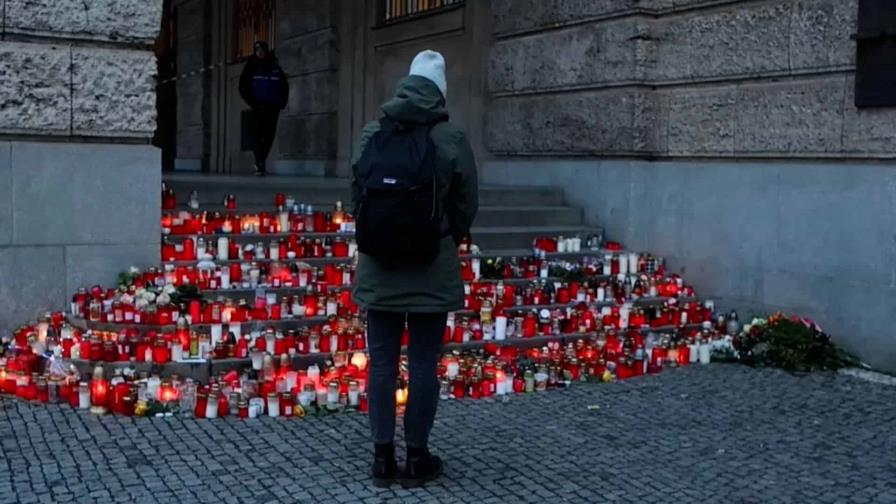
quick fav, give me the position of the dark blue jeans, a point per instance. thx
(424, 349)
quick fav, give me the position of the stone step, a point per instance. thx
(202, 370)
(521, 237)
(325, 191)
(486, 237)
(528, 216)
(516, 215)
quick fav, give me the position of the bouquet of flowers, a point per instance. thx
(142, 295)
(792, 343)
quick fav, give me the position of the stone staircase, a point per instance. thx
(509, 217)
(509, 220)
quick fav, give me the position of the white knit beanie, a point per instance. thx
(431, 65)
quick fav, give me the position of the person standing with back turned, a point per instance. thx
(415, 194)
(263, 86)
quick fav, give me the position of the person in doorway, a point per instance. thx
(415, 194)
(264, 88)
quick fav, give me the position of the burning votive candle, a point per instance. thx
(401, 396)
(167, 392)
(359, 359)
(99, 391)
(500, 383)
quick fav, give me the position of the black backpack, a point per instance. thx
(399, 217)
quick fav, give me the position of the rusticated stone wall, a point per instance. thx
(679, 79)
(79, 184)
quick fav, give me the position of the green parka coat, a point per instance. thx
(435, 287)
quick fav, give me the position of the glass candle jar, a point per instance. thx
(211, 407)
(273, 405)
(256, 407)
(83, 395)
(354, 393)
(458, 388)
(307, 396)
(332, 395)
(529, 380)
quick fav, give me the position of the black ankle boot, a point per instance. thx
(421, 468)
(384, 470)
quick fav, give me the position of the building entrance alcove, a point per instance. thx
(342, 59)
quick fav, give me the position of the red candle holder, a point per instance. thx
(99, 392)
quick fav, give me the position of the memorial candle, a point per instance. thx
(99, 391)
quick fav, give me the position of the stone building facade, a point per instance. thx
(721, 134)
(79, 184)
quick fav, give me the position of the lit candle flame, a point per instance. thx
(401, 396)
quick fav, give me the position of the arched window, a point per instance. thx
(253, 20)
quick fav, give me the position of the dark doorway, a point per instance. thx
(165, 137)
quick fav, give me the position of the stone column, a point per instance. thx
(79, 182)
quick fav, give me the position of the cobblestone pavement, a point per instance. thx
(721, 433)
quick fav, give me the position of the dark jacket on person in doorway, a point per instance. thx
(263, 83)
(435, 287)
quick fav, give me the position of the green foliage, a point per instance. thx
(126, 279)
(568, 275)
(491, 268)
(793, 344)
(185, 294)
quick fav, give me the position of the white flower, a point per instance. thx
(163, 299)
(141, 303)
(134, 270)
(169, 289)
(139, 292)
(149, 296)
(127, 298)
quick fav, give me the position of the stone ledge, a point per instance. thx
(119, 21)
